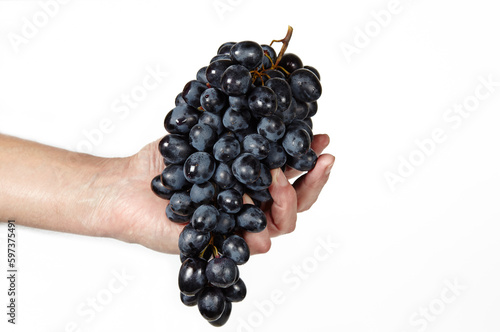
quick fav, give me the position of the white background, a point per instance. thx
(397, 248)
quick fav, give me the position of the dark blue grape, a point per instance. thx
(213, 100)
(238, 103)
(202, 137)
(222, 272)
(298, 124)
(290, 62)
(256, 145)
(305, 85)
(192, 242)
(272, 128)
(174, 217)
(220, 57)
(260, 195)
(251, 218)
(225, 48)
(236, 80)
(204, 218)
(235, 248)
(313, 109)
(211, 303)
(175, 149)
(226, 223)
(179, 100)
(181, 203)
(202, 193)
(173, 178)
(192, 92)
(199, 167)
(301, 110)
(247, 53)
(189, 300)
(309, 123)
(296, 142)
(276, 157)
(230, 201)
(224, 317)
(234, 120)
(192, 276)
(226, 148)
(262, 101)
(159, 189)
(236, 292)
(264, 180)
(246, 168)
(314, 70)
(283, 92)
(181, 119)
(305, 162)
(215, 70)
(213, 120)
(224, 177)
(201, 75)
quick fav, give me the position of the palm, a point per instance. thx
(141, 214)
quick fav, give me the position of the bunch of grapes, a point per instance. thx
(247, 112)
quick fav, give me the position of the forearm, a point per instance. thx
(50, 188)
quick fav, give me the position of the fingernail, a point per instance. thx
(328, 169)
(281, 179)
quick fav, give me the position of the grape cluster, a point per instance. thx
(247, 112)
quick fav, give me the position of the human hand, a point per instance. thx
(131, 212)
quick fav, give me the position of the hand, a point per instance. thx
(133, 213)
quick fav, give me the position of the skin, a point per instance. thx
(55, 189)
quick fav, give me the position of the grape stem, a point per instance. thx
(285, 41)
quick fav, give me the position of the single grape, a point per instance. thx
(222, 272)
(262, 101)
(192, 242)
(204, 218)
(276, 157)
(305, 85)
(236, 292)
(199, 167)
(192, 92)
(224, 317)
(202, 193)
(192, 276)
(211, 303)
(226, 223)
(236, 80)
(189, 300)
(213, 120)
(264, 180)
(230, 201)
(269, 57)
(290, 62)
(181, 203)
(314, 70)
(201, 75)
(173, 178)
(246, 168)
(181, 119)
(159, 189)
(236, 248)
(224, 177)
(271, 127)
(256, 145)
(174, 217)
(236, 120)
(247, 53)
(305, 162)
(251, 218)
(296, 142)
(202, 137)
(225, 48)
(283, 92)
(213, 100)
(238, 103)
(215, 70)
(226, 149)
(175, 149)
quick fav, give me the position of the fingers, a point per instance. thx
(318, 144)
(283, 211)
(309, 185)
